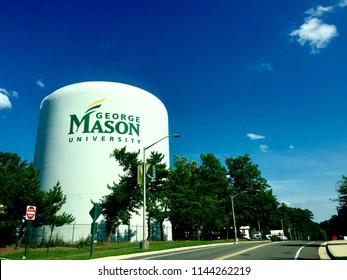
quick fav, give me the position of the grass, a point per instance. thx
(99, 250)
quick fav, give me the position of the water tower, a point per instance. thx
(79, 127)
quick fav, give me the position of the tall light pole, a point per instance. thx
(231, 181)
(235, 230)
(144, 243)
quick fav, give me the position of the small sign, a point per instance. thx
(96, 211)
(30, 213)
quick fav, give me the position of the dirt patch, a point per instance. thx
(12, 249)
(9, 249)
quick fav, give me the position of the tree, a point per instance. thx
(342, 204)
(183, 198)
(198, 197)
(213, 196)
(19, 187)
(157, 192)
(125, 196)
(50, 204)
(254, 201)
(298, 223)
(342, 192)
(337, 224)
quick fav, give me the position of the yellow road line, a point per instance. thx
(242, 252)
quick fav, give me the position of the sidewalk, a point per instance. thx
(337, 249)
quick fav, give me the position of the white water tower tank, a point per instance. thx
(80, 125)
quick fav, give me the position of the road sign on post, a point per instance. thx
(95, 212)
(30, 213)
(29, 216)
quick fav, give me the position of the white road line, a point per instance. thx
(298, 252)
(243, 251)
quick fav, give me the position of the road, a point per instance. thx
(253, 250)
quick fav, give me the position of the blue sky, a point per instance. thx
(264, 78)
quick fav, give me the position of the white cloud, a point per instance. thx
(40, 83)
(316, 33)
(14, 94)
(263, 148)
(5, 102)
(4, 91)
(343, 3)
(265, 66)
(320, 11)
(10, 93)
(253, 136)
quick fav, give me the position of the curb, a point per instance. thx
(329, 252)
(334, 256)
(323, 251)
(128, 256)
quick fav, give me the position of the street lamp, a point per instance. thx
(232, 206)
(231, 182)
(144, 243)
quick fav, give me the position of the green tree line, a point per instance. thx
(197, 198)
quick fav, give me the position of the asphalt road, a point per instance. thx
(258, 250)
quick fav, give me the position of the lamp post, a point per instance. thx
(231, 182)
(144, 243)
(234, 219)
(235, 231)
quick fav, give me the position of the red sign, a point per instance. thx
(30, 213)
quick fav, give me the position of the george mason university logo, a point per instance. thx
(96, 125)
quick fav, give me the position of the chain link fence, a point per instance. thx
(74, 233)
